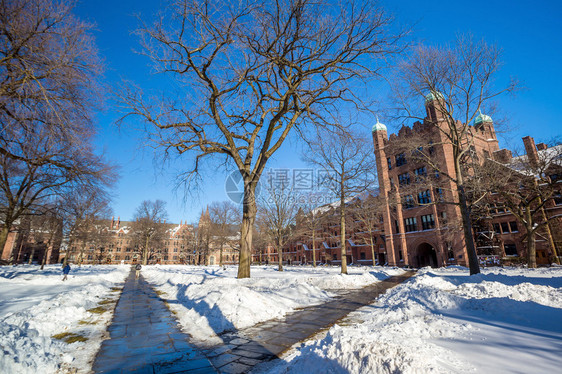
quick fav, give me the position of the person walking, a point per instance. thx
(138, 268)
(65, 271)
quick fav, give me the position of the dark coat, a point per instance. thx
(66, 269)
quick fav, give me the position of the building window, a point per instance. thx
(362, 255)
(510, 249)
(410, 224)
(400, 159)
(558, 199)
(175, 250)
(127, 258)
(397, 226)
(420, 172)
(428, 222)
(389, 160)
(424, 197)
(497, 228)
(408, 202)
(505, 227)
(439, 194)
(404, 178)
(513, 226)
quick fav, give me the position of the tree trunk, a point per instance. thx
(280, 254)
(467, 228)
(81, 255)
(372, 249)
(68, 252)
(531, 244)
(47, 252)
(342, 233)
(248, 217)
(31, 256)
(313, 247)
(220, 256)
(145, 252)
(551, 242)
(4, 236)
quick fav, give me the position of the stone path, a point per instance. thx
(145, 337)
(244, 349)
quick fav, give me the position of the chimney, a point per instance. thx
(112, 222)
(503, 156)
(118, 222)
(531, 150)
(541, 146)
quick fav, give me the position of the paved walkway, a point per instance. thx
(145, 337)
(244, 349)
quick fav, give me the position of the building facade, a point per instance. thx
(421, 226)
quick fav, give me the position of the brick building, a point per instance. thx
(183, 244)
(420, 227)
(32, 240)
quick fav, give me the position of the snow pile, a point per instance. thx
(208, 301)
(36, 305)
(504, 320)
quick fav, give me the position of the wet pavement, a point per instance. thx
(145, 337)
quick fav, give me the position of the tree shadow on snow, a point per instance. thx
(508, 280)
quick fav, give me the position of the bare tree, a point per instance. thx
(348, 163)
(224, 220)
(49, 67)
(460, 82)
(149, 228)
(277, 210)
(254, 73)
(367, 213)
(309, 223)
(26, 186)
(525, 186)
(81, 209)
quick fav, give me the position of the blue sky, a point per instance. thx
(529, 34)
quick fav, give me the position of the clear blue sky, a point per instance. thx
(528, 32)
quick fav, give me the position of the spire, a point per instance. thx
(378, 126)
(481, 118)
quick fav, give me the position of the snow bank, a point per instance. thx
(36, 305)
(503, 320)
(211, 300)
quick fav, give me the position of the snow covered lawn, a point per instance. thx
(210, 300)
(501, 321)
(36, 305)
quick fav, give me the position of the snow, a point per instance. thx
(505, 320)
(443, 320)
(36, 304)
(211, 300)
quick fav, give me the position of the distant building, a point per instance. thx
(32, 241)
